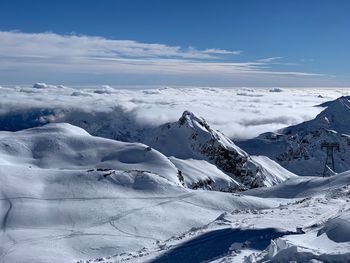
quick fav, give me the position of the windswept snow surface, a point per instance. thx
(66, 196)
(275, 173)
(309, 225)
(69, 147)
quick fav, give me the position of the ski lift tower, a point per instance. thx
(329, 164)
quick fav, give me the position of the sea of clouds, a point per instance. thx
(240, 113)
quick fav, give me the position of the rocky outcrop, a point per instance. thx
(192, 137)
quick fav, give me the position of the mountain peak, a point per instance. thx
(336, 116)
(192, 138)
(187, 113)
(298, 147)
(341, 101)
(193, 120)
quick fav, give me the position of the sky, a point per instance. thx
(201, 43)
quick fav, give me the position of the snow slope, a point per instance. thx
(66, 196)
(200, 174)
(304, 187)
(325, 238)
(335, 117)
(275, 173)
(313, 228)
(66, 146)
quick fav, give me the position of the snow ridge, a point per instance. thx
(192, 137)
(298, 148)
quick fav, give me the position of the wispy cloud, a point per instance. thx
(271, 59)
(50, 44)
(74, 54)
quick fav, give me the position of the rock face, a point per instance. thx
(298, 147)
(192, 137)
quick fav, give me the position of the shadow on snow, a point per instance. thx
(211, 245)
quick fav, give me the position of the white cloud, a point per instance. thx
(35, 55)
(45, 45)
(269, 59)
(222, 51)
(239, 113)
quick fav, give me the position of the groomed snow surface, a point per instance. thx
(68, 196)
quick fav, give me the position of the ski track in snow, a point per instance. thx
(5, 218)
(238, 228)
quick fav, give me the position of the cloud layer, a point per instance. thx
(239, 113)
(73, 58)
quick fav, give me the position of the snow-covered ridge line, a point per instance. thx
(298, 148)
(64, 146)
(191, 137)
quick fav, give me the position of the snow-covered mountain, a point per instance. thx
(298, 147)
(335, 117)
(191, 137)
(66, 195)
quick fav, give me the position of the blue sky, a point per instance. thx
(213, 43)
